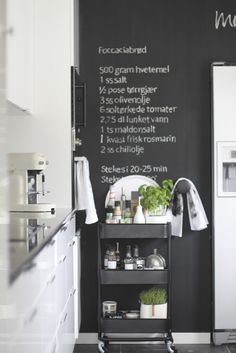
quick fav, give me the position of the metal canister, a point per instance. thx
(109, 308)
(140, 262)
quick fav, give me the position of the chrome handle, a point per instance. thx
(65, 317)
(73, 139)
(62, 259)
(63, 228)
(32, 316)
(73, 292)
(72, 243)
(51, 280)
(52, 242)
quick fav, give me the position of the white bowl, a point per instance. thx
(132, 315)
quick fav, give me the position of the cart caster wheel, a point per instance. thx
(170, 347)
(174, 349)
(102, 347)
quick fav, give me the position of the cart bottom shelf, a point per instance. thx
(135, 326)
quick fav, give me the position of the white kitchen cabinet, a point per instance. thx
(41, 300)
(48, 93)
(65, 337)
(20, 53)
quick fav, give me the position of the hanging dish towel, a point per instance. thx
(197, 216)
(84, 199)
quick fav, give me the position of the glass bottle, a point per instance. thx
(128, 217)
(117, 212)
(112, 198)
(136, 256)
(139, 261)
(105, 260)
(118, 262)
(123, 204)
(139, 216)
(128, 260)
(111, 259)
(109, 214)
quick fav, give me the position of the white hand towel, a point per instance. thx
(84, 199)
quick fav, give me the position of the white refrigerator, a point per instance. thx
(224, 201)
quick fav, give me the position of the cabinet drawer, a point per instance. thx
(61, 290)
(48, 309)
(64, 236)
(66, 336)
(134, 326)
(69, 266)
(46, 259)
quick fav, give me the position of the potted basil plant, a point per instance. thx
(155, 200)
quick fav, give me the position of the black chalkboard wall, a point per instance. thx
(164, 48)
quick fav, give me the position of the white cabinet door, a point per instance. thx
(70, 326)
(77, 275)
(48, 311)
(42, 299)
(20, 53)
(66, 337)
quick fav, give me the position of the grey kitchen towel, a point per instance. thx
(197, 216)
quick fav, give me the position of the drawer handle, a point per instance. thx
(32, 316)
(73, 292)
(52, 242)
(65, 317)
(64, 228)
(63, 259)
(54, 348)
(51, 280)
(72, 243)
(72, 217)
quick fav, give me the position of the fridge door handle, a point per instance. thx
(75, 141)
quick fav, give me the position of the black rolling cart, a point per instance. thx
(113, 283)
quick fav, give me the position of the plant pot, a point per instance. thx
(160, 311)
(146, 311)
(156, 219)
(158, 216)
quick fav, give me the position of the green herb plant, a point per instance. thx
(153, 296)
(154, 197)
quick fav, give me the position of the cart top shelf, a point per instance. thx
(134, 230)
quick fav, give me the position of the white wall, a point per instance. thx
(49, 130)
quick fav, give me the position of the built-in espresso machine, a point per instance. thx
(27, 183)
